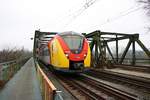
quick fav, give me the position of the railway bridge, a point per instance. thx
(114, 74)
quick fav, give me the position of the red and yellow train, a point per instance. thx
(67, 52)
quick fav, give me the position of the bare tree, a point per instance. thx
(147, 5)
(13, 54)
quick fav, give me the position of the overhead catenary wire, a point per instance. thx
(109, 20)
(122, 14)
(66, 20)
(80, 11)
(73, 16)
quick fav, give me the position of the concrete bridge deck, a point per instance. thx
(23, 86)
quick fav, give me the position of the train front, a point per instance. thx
(77, 51)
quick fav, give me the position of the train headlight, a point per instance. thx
(67, 55)
(85, 55)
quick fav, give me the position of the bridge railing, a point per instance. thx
(138, 61)
(8, 69)
(48, 90)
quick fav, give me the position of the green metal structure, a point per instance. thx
(41, 38)
(99, 44)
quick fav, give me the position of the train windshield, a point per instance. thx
(74, 42)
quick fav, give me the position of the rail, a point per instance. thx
(48, 90)
(8, 69)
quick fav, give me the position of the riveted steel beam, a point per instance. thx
(125, 51)
(143, 47)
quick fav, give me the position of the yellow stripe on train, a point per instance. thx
(87, 60)
(58, 58)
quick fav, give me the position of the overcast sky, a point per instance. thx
(20, 18)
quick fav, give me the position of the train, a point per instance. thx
(67, 52)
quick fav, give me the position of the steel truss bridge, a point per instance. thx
(99, 44)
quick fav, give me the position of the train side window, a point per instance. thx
(47, 52)
(43, 52)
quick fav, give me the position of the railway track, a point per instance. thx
(78, 90)
(130, 79)
(145, 69)
(142, 85)
(82, 87)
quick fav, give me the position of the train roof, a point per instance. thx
(70, 33)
